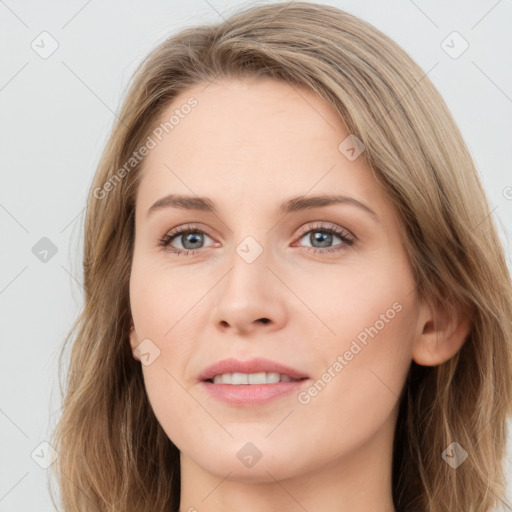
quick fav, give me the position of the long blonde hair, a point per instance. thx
(113, 454)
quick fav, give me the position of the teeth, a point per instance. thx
(251, 378)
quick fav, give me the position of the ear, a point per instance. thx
(134, 341)
(442, 333)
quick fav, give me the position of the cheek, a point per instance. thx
(370, 301)
(358, 383)
(159, 296)
(362, 361)
(161, 302)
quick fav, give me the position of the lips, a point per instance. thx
(256, 365)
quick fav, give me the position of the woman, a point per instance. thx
(296, 298)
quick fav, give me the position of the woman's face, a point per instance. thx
(315, 285)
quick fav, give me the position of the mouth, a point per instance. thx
(254, 371)
(251, 383)
(251, 379)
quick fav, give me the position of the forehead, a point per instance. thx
(252, 139)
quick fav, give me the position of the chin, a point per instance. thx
(255, 462)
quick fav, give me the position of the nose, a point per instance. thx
(250, 297)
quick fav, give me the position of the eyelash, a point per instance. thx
(344, 235)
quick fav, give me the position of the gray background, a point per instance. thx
(56, 114)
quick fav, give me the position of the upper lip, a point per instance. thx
(255, 365)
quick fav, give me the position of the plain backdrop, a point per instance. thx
(57, 111)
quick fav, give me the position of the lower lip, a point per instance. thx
(252, 394)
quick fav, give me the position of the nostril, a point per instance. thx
(264, 320)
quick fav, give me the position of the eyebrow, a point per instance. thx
(291, 205)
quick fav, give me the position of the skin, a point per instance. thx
(249, 145)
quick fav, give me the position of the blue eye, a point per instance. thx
(188, 235)
(192, 238)
(323, 236)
